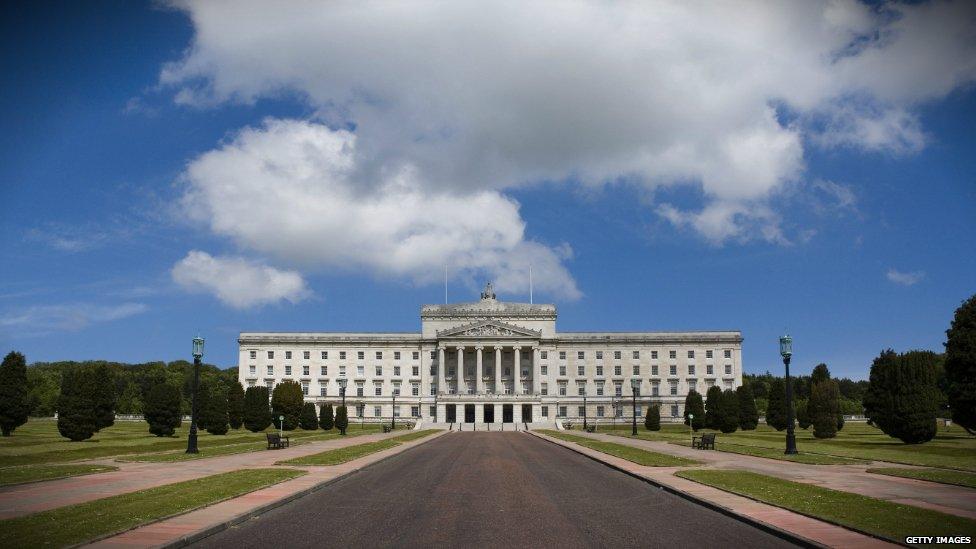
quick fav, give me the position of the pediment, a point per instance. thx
(489, 328)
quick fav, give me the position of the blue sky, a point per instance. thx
(167, 171)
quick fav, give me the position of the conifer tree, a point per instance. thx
(902, 397)
(104, 387)
(652, 421)
(235, 405)
(326, 419)
(748, 414)
(341, 419)
(713, 399)
(696, 407)
(308, 419)
(960, 365)
(287, 401)
(776, 407)
(802, 409)
(162, 409)
(820, 373)
(823, 408)
(76, 405)
(728, 412)
(14, 402)
(215, 413)
(257, 413)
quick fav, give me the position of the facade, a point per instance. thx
(493, 361)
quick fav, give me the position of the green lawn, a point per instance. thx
(942, 476)
(777, 453)
(349, 453)
(637, 455)
(33, 473)
(228, 449)
(82, 522)
(883, 518)
(38, 441)
(952, 448)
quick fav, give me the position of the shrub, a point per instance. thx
(162, 409)
(235, 405)
(341, 419)
(308, 420)
(802, 413)
(204, 388)
(748, 414)
(287, 400)
(215, 413)
(776, 406)
(823, 408)
(104, 387)
(14, 404)
(76, 405)
(695, 407)
(652, 421)
(712, 398)
(257, 414)
(960, 365)
(728, 411)
(326, 419)
(902, 396)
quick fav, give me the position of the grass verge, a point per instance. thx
(34, 473)
(630, 453)
(349, 453)
(83, 522)
(941, 476)
(229, 449)
(882, 518)
(777, 453)
(564, 436)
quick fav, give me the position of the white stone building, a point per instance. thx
(492, 361)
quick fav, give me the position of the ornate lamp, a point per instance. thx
(786, 351)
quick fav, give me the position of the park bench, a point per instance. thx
(386, 429)
(591, 429)
(276, 441)
(704, 442)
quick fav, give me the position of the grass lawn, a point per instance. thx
(302, 437)
(952, 448)
(883, 518)
(637, 455)
(777, 453)
(82, 522)
(33, 473)
(349, 453)
(38, 441)
(943, 476)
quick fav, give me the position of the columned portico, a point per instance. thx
(517, 372)
(499, 388)
(479, 380)
(459, 377)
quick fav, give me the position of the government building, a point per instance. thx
(491, 362)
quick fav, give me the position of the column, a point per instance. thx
(517, 383)
(499, 387)
(460, 371)
(536, 373)
(441, 368)
(479, 384)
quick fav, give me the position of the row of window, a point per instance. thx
(581, 355)
(360, 355)
(544, 370)
(544, 355)
(324, 370)
(618, 370)
(618, 387)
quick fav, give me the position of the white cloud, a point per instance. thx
(830, 195)
(905, 279)
(44, 319)
(476, 97)
(238, 282)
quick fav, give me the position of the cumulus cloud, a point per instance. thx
(44, 319)
(289, 190)
(477, 97)
(905, 279)
(238, 282)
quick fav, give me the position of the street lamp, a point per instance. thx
(191, 441)
(613, 418)
(393, 412)
(585, 424)
(786, 351)
(634, 388)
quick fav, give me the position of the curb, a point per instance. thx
(765, 527)
(247, 515)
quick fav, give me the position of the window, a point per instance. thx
(655, 390)
(415, 411)
(617, 370)
(581, 411)
(342, 371)
(270, 355)
(396, 389)
(562, 370)
(562, 355)
(580, 370)
(673, 354)
(673, 369)
(654, 355)
(654, 369)
(342, 355)
(305, 388)
(636, 369)
(415, 355)
(323, 370)
(637, 410)
(618, 389)
(433, 355)
(580, 355)
(581, 390)
(360, 355)
(269, 385)
(544, 355)
(692, 384)
(562, 411)
(325, 355)
(253, 369)
(709, 369)
(708, 354)
(599, 411)
(545, 389)
(691, 354)
(396, 371)
(250, 383)
(674, 388)
(545, 411)
(305, 370)
(323, 390)
(306, 355)
(396, 411)
(270, 370)
(544, 370)
(360, 371)
(396, 355)
(599, 355)
(415, 371)
(599, 370)
(691, 369)
(377, 411)
(433, 371)
(637, 355)
(616, 355)
(378, 390)
(728, 353)
(379, 355)
(287, 370)
(254, 354)
(599, 389)
(728, 369)
(287, 355)
(433, 411)
(361, 410)
(450, 370)
(674, 410)
(620, 411)
(562, 389)
(359, 390)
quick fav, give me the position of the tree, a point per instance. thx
(695, 407)
(257, 414)
(235, 404)
(287, 400)
(43, 388)
(728, 411)
(14, 405)
(215, 413)
(960, 365)
(104, 396)
(326, 419)
(902, 397)
(308, 420)
(820, 373)
(712, 398)
(162, 409)
(823, 408)
(204, 390)
(341, 419)
(776, 407)
(748, 414)
(652, 421)
(76, 405)
(802, 413)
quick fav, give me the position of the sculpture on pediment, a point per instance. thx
(489, 330)
(489, 292)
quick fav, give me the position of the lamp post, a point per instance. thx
(191, 441)
(634, 388)
(786, 351)
(342, 393)
(393, 413)
(585, 424)
(613, 419)
(691, 429)
(361, 409)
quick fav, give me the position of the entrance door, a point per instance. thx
(507, 413)
(451, 413)
(489, 413)
(526, 413)
(469, 413)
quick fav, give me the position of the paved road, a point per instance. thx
(491, 490)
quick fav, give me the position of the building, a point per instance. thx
(494, 361)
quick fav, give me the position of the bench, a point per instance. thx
(704, 442)
(591, 429)
(276, 441)
(386, 429)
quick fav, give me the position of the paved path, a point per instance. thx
(23, 499)
(491, 490)
(956, 500)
